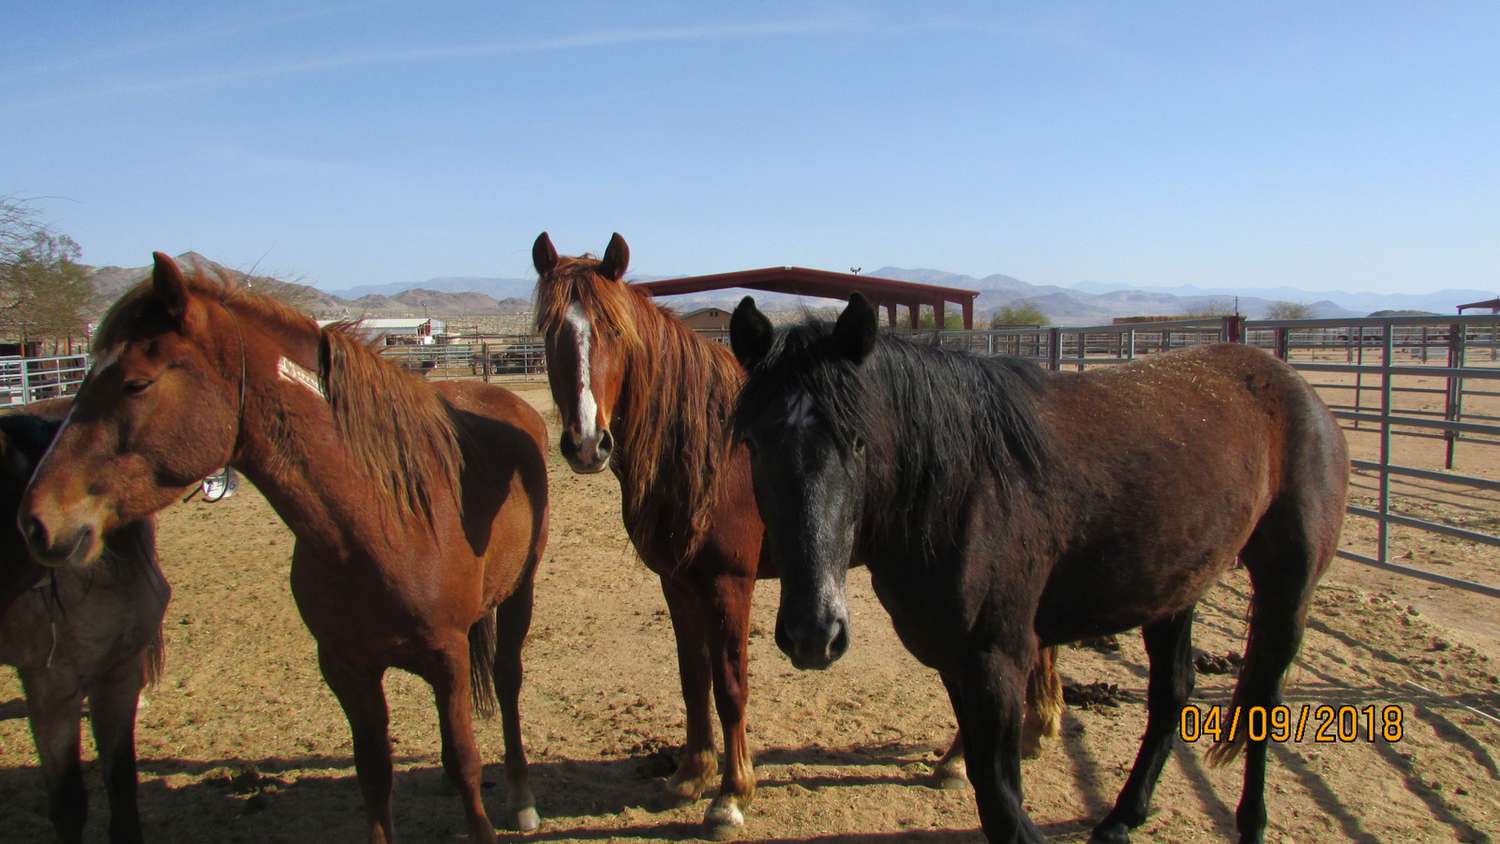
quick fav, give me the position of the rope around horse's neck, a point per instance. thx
(239, 414)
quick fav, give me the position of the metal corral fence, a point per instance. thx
(25, 380)
(517, 357)
(1362, 367)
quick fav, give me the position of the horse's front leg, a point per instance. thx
(729, 635)
(699, 762)
(53, 704)
(989, 701)
(361, 693)
(112, 704)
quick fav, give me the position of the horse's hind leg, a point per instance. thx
(949, 773)
(1169, 645)
(54, 704)
(729, 658)
(360, 693)
(699, 761)
(112, 703)
(514, 620)
(1284, 563)
(448, 672)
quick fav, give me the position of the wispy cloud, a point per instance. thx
(481, 49)
(174, 40)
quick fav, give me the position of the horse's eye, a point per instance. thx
(136, 386)
(857, 445)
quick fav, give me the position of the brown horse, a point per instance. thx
(78, 634)
(417, 509)
(1036, 508)
(641, 393)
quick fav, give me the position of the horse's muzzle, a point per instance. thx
(814, 645)
(72, 549)
(586, 455)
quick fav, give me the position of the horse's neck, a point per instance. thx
(291, 451)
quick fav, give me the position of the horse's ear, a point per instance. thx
(616, 258)
(749, 333)
(169, 285)
(543, 254)
(854, 333)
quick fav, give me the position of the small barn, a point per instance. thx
(707, 319)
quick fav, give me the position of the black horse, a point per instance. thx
(998, 507)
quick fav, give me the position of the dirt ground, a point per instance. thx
(243, 742)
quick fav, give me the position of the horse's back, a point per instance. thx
(1172, 461)
(504, 445)
(497, 403)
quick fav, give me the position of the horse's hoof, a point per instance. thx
(951, 777)
(952, 783)
(686, 789)
(1112, 832)
(723, 820)
(526, 819)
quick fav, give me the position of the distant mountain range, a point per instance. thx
(387, 300)
(1086, 303)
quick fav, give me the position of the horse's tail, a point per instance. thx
(1045, 691)
(154, 659)
(482, 664)
(1233, 733)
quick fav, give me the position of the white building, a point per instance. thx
(398, 331)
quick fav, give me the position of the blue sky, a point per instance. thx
(1344, 146)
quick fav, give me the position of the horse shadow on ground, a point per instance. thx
(315, 797)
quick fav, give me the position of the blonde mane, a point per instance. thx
(679, 390)
(399, 430)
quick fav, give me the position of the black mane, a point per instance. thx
(937, 421)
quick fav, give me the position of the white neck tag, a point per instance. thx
(290, 371)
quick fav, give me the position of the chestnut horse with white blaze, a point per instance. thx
(639, 392)
(417, 509)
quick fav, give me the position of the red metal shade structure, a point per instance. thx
(882, 292)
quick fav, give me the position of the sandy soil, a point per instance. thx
(243, 742)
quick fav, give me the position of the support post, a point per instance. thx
(1384, 547)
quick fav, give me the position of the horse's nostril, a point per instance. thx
(840, 643)
(35, 532)
(606, 444)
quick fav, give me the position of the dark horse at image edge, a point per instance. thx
(74, 634)
(1039, 508)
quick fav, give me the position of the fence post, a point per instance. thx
(1054, 349)
(484, 355)
(25, 376)
(1359, 376)
(1383, 550)
(1083, 348)
(1453, 412)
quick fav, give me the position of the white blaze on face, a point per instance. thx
(799, 409)
(108, 359)
(588, 410)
